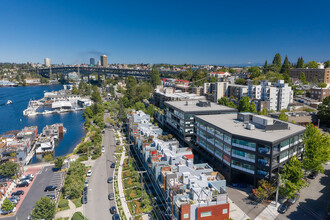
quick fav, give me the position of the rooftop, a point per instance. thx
(192, 106)
(229, 123)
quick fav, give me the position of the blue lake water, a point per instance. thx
(11, 116)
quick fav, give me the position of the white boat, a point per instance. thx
(46, 112)
(9, 102)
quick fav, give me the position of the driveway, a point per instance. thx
(98, 204)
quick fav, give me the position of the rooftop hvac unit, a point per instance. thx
(250, 126)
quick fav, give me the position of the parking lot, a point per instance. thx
(55, 181)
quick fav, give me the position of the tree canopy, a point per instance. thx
(7, 205)
(8, 168)
(300, 63)
(324, 111)
(286, 65)
(312, 64)
(44, 209)
(155, 77)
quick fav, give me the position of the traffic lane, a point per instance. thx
(34, 194)
(109, 137)
(98, 190)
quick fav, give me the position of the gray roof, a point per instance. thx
(193, 107)
(229, 123)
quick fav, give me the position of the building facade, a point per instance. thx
(215, 91)
(180, 116)
(319, 93)
(312, 75)
(92, 61)
(47, 62)
(237, 91)
(248, 147)
(104, 60)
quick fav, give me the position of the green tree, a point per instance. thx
(277, 61)
(327, 64)
(283, 116)
(292, 177)
(240, 81)
(7, 205)
(78, 216)
(302, 77)
(96, 95)
(155, 78)
(255, 72)
(150, 110)
(253, 108)
(322, 85)
(8, 168)
(59, 161)
(75, 90)
(223, 101)
(266, 68)
(88, 113)
(264, 190)
(300, 63)
(313, 64)
(140, 106)
(317, 149)
(44, 209)
(324, 111)
(244, 104)
(122, 113)
(286, 65)
(112, 91)
(48, 157)
(186, 75)
(263, 112)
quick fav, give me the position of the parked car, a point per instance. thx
(85, 190)
(50, 188)
(17, 193)
(283, 208)
(113, 210)
(312, 175)
(103, 150)
(25, 180)
(113, 165)
(51, 196)
(86, 183)
(118, 143)
(111, 196)
(2, 212)
(110, 180)
(89, 173)
(30, 175)
(115, 217)
(3, 184)
(84, 199)
(294, 199)
(22, 184)
(14, 201)
(15, 197)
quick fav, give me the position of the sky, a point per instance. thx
(172, 31)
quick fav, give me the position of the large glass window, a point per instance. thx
(218, 153)
(285, 143)
(218, 144)
(227, 138)
(227, 149)
(243, 165)
(284, 154)
(219, 134)
(245, 143)
(210, 130)
(243, 154)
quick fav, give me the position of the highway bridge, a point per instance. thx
(62, 72)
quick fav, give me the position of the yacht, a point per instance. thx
(9, 102)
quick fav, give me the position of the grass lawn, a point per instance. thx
(77, 202)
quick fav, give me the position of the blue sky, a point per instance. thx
(158, 31)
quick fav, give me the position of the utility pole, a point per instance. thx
(141, 178)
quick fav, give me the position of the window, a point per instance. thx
(206, 214)
(186, 215)
(224, 211)
(227, 139)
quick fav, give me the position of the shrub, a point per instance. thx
(48, 157)
(78, 216)
(63, 203)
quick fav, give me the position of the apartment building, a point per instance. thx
(278, 95)
(185, 190)
(180, 116)
(215, 91)
(319, 93)
(248, 147)
(312, 75)
(237, 91)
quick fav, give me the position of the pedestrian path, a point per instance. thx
(269, 213)
(120, 182)
(69, 213)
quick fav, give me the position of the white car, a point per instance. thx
(103, 150)
(2, 212)
(86, 183)
(89, 173)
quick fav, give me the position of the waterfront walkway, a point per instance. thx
(120, 181)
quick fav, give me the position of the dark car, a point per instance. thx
(85, 191)
(312, 175)
(15, 197)
(294, 199)
(50, 188)
(17, 193)
(118, 143)
(111, 196)
(113, 165)
(23, 184)
(113, 210)
(110, 180)
(84, 199)
(115, 217)
(51, 196)
(283, 208)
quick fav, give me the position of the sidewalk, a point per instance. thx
(69, 213)
(269, 213)
(120, 183)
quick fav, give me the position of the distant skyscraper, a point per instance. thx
(99, 63)
(104, 60)
(47, 62)
(92, 61)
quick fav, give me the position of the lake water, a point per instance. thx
(11, 116)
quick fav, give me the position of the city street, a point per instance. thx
(35, 193)
(98, 204)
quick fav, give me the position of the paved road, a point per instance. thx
(34, 194)
(313, 200)
(98, 204)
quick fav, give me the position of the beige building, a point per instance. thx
(47, 62)
(104, 60)
(312, 75)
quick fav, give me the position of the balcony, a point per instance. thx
(242, 168)
(285, 147)
(211, 141)
(262, 173)
(243, 158)
(244, 147)
(226, 162)
(218, 136)
(263, 150)
(263, 162)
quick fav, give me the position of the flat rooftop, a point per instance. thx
(193, 107)
(229, 123)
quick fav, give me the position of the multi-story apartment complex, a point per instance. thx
(104, 60)
(278, 96)
(47, 62)
(164, 94)
(248, 147)
(237, 91)
(180, 116)
(319, 93)
(184, 190)
(215, 91)
(312, 75)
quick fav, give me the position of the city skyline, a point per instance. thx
(198, 33)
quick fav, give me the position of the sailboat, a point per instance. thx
(9, 102)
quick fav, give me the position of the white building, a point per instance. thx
(47, 62)
(215, 91)
(278, 96)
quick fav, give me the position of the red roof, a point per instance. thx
(220, 72)
(189, 156)
(182, 80)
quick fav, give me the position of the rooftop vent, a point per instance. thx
(250, 126)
